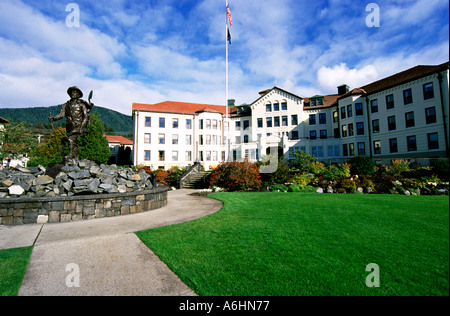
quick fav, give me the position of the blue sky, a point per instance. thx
(157, 50)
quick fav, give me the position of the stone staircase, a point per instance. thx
(197, 181)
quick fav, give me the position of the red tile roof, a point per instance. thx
(118, 139)
(328, 101)
(179, 107)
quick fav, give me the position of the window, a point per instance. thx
(269, 122)
(294, 135)
(349, 110)
(351, 149)
(343, 116)
(201, 139)
(323, 134)
(390, 102)
(407, 96)
(246, 125)
(208, 156)
(433, 141)
(161, 155)
(409, 119)
(208, 139)
(214, 156)
(393, 146)
(317, 151)
(361, 149)
(162, 122)
(260, 123)
(245, 139)
(188, 124)
(276, 121)
(430, 115)
(238, 139)
(188, 139)
(174, 139)
(319, 102)
(412, 143)
(322, 118)
(268, 107)
(335, 117)
(336, 133)
(345, 150)
(284, 106)
(175, 155)
(358, 109)
(391, 123)
(344, 130)
(428, 91)
(312, 102)
(175, 123)
(238, 126)
(333, 151)
(201, 124)
(201, 156)
(147, 155)
(188, 156)
(350, 130)
(208, 124)
(214, 139)
(148, 121)
(294, 120)
(214, 124)
(312, 119)
(376, 126)
(374, 106)
(377, 147)
(284, 120)
(162, 138)
(359, 128)
(276, 106)
(312, 135)
(147, 138)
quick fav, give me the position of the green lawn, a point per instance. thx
(13, 264)
(311, 244)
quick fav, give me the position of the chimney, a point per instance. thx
(343, 89)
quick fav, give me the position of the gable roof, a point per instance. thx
(2, 120)
(179, 107)
(118, 139)
(265, 92)
(328, 101)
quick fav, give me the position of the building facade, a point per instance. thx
(401, 116)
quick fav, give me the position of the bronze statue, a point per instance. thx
(77, 113)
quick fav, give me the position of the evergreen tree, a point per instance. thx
(94, 145)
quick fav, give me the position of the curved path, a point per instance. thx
(103, 256)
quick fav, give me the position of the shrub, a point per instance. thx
(318, 168)
(348, 184)
(362, 165)
(302, 179)
(278, 187)
(161, 177)
(303, 161)
(398, 166)
(307, 188)
(332, 172)
(236, 176)
(294, 188)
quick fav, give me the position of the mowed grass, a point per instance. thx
(13, 265)
(287, 244)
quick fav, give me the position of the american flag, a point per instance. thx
(229, 15)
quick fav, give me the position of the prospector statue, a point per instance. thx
(77, 113)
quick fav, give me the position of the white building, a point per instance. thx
(401, 116)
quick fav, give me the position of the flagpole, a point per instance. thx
(226, 79)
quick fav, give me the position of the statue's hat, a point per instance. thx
(69, 91)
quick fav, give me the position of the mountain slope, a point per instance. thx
(120, 123)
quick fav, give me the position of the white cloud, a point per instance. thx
(330, 78)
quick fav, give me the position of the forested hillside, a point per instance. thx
(115, 122)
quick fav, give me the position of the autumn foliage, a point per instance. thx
(236, 176)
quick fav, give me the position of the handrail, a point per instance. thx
(196, 168)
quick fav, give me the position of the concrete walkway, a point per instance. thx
(103, 256)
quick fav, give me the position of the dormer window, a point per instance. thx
(316, 101)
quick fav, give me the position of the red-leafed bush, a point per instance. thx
(236, 176)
